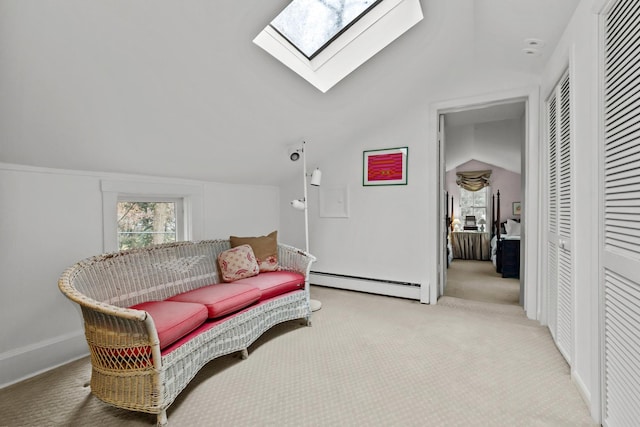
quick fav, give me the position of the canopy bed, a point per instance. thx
(505, 242)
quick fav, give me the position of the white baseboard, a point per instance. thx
(585, 394)
(366, 285)
(25, 362)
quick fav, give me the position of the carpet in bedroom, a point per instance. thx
(478, 281)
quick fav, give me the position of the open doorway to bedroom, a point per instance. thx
(483, 149)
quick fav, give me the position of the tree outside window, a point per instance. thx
(145, 223)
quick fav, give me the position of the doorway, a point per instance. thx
(529, 205)
(483, 149)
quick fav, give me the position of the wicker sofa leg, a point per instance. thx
(162, 419)
(244, 353)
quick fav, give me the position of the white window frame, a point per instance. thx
(179, 210)
(190, 195)
(372, 33)
(486, 205)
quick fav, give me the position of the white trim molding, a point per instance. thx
(531, 200)
(25, 362)
(372, 286)
(191, 194)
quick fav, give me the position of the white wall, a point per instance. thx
(49, 219)
(460, 145)
(578, 50)
(497, 143)
(383, 238)
(507, 182)
(240, 210)
(391, 230)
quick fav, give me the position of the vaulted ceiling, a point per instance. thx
(178, 89)
(492, 134)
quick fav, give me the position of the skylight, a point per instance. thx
(311, 25)
(346, 33)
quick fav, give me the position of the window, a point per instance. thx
(143, 223)
(473, 203)
(311, 25)
(342, 40)
(132, 225)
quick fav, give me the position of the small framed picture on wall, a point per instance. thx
(385, 167)
(516, 208)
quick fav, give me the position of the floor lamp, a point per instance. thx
(301, 204)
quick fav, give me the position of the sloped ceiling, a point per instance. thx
(178, 89)
(493, 135)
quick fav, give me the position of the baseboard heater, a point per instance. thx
(366, 284)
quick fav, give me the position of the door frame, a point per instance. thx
(531, 202)
(443, 226)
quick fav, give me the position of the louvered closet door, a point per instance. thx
(621, 215)
(552, 215)
(559, 254)
(564, 336)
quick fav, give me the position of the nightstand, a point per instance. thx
(511, 258)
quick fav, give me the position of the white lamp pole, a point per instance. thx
(306, 204)
(315, 305)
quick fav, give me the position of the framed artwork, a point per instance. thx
(385, 167)
(516, 208)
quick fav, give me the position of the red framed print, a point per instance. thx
(385, 167)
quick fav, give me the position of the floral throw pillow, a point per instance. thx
(238, 263)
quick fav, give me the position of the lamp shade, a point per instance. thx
(482, 221)
(298, 204)
(316, 177)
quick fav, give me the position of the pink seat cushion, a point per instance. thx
(221, 298)
(173, 320)
(274, 283)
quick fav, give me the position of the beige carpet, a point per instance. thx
(367, 361)
(478, 281)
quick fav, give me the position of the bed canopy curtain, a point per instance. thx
(473, 180)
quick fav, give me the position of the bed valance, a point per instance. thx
(473, 180)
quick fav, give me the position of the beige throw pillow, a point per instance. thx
(265, 249)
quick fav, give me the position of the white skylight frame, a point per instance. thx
(312, 32)
(375, 30)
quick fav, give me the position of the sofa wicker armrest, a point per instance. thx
(119, 338)
(294, 259)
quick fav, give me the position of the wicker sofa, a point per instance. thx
(130, 367)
